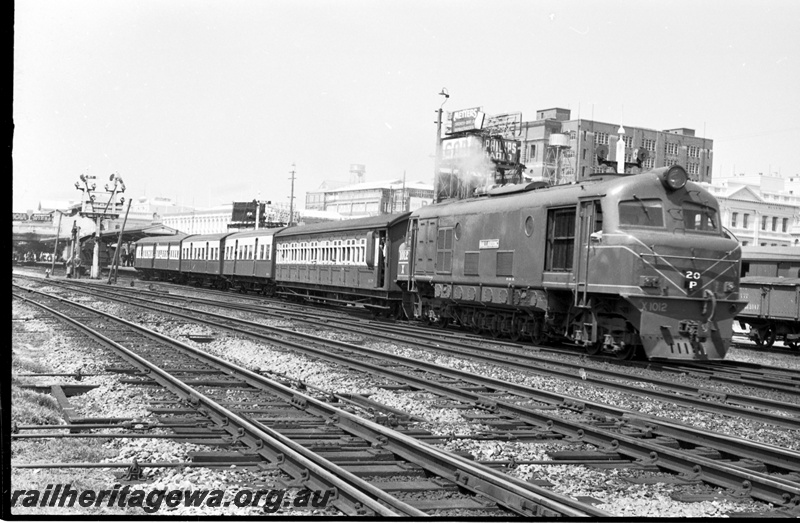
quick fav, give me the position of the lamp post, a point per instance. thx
(438, 158)
(291, 199)
(90, 209)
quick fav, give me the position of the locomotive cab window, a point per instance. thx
(699, 218)
(641, 213)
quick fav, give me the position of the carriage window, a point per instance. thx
(560, 239)
(641, 213)
(701, 218)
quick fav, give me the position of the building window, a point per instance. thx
(764, 224)
(734, 217)
(745, 220)
(775, 223)
(573, 135)
(628, 140)
(693, 151)
(601, 138)
(693, 168)
(672, 148)
(786, 225)
(650, 145)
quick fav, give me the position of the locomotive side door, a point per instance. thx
(425, 247)
(590, 228)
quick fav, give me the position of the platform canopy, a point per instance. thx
(130, 235)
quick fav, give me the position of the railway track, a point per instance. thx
(779, 413)
(652, 442)
(371, 449)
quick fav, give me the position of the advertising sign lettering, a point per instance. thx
(466, 120)
(501, 150)
(504, 124)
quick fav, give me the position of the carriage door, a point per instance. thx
(589, 233)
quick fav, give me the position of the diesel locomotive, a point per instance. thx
(619, 264)
(616, 264)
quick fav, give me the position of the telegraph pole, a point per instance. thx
(291, 199)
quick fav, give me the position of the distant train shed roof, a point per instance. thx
(132, 235)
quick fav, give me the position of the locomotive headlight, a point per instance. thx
(674, 178)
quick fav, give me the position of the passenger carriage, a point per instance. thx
(201, 259)
(249, 258)
(158, 257)
(347, 262)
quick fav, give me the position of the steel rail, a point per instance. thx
(506, 358)
(314, 471)
(529, 363)
(509, 492)
(759, 486)
(771, 455)
(699, 401)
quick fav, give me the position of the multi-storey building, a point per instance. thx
(371, 198)
(556, 147)
(219, 219)
(761, 211)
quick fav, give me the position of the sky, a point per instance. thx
(213, 101)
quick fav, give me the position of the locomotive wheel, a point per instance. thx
(626, 353)
(765, 337)
(495, 324)
(538, 337)
(442, 322)
(477, 322)
(395, 312)
(517, 327)
(593, 349)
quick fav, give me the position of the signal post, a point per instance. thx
(99, 209)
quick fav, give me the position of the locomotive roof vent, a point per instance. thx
(673, 178)
(519, 187)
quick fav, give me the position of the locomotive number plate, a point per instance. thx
(692, 281)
